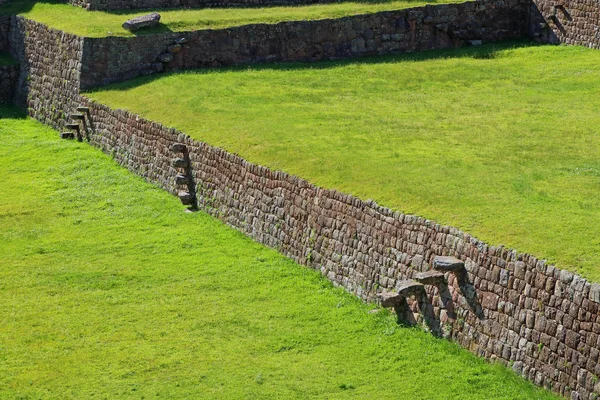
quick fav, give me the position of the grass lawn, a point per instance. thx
(99, 24)
(502, 141)
(109, 290)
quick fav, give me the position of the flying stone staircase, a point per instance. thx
(417, 287)
(77, 124)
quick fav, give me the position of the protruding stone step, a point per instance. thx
(78, 117)
(67, 135)
(390, 299)
(404, 289)
(430, 278)
(178, 148)
(84, 110)
(409, 287)
(74, 127)
(181, 179)
(186, 198)
(179, 163)
(448, 264)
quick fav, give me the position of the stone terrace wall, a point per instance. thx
(113, 59)
(50, 68)
(516, 308)
(572, 22)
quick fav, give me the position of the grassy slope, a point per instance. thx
(98, 24)
(503, 144)
(108, 289)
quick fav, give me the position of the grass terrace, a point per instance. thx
(100, 24)
(109, 290)
(501, 141)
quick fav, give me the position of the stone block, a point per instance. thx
(141, 22)
(448, 264)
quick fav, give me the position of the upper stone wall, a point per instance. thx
(566, 21)
(50, 69)
(443, 26)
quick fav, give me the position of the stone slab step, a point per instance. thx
(409, 287)
(74, 127)
(448, 264)
(179, 163)
(178, 148)
(78, 117)
(84, 110)
(404, 289)
(186, 198)
(430, 278)
(181, 179)
(67, 135)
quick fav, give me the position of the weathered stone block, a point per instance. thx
(141, 22)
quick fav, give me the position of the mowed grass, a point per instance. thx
(109, 290)
(99, 23)
(501, 141)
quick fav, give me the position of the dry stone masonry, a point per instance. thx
(498, 303)
(566, 21)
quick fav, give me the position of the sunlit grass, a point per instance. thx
(500, 142)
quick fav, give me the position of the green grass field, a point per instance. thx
(99, 24)
(501, 141)
(109, 290)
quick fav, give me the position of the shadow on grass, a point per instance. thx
(14, 7)
(11, 111)
(485, 52)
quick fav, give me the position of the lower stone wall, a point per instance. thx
(566, 21)
(8, 82)
(114, 59)
(515, 308)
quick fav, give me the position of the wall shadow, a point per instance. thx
(487, 52)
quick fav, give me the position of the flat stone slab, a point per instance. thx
(404, 289)
(408, 287)
(186, 198)
(390, 299)
(430, 278)
(144, 21)
(448, 264)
